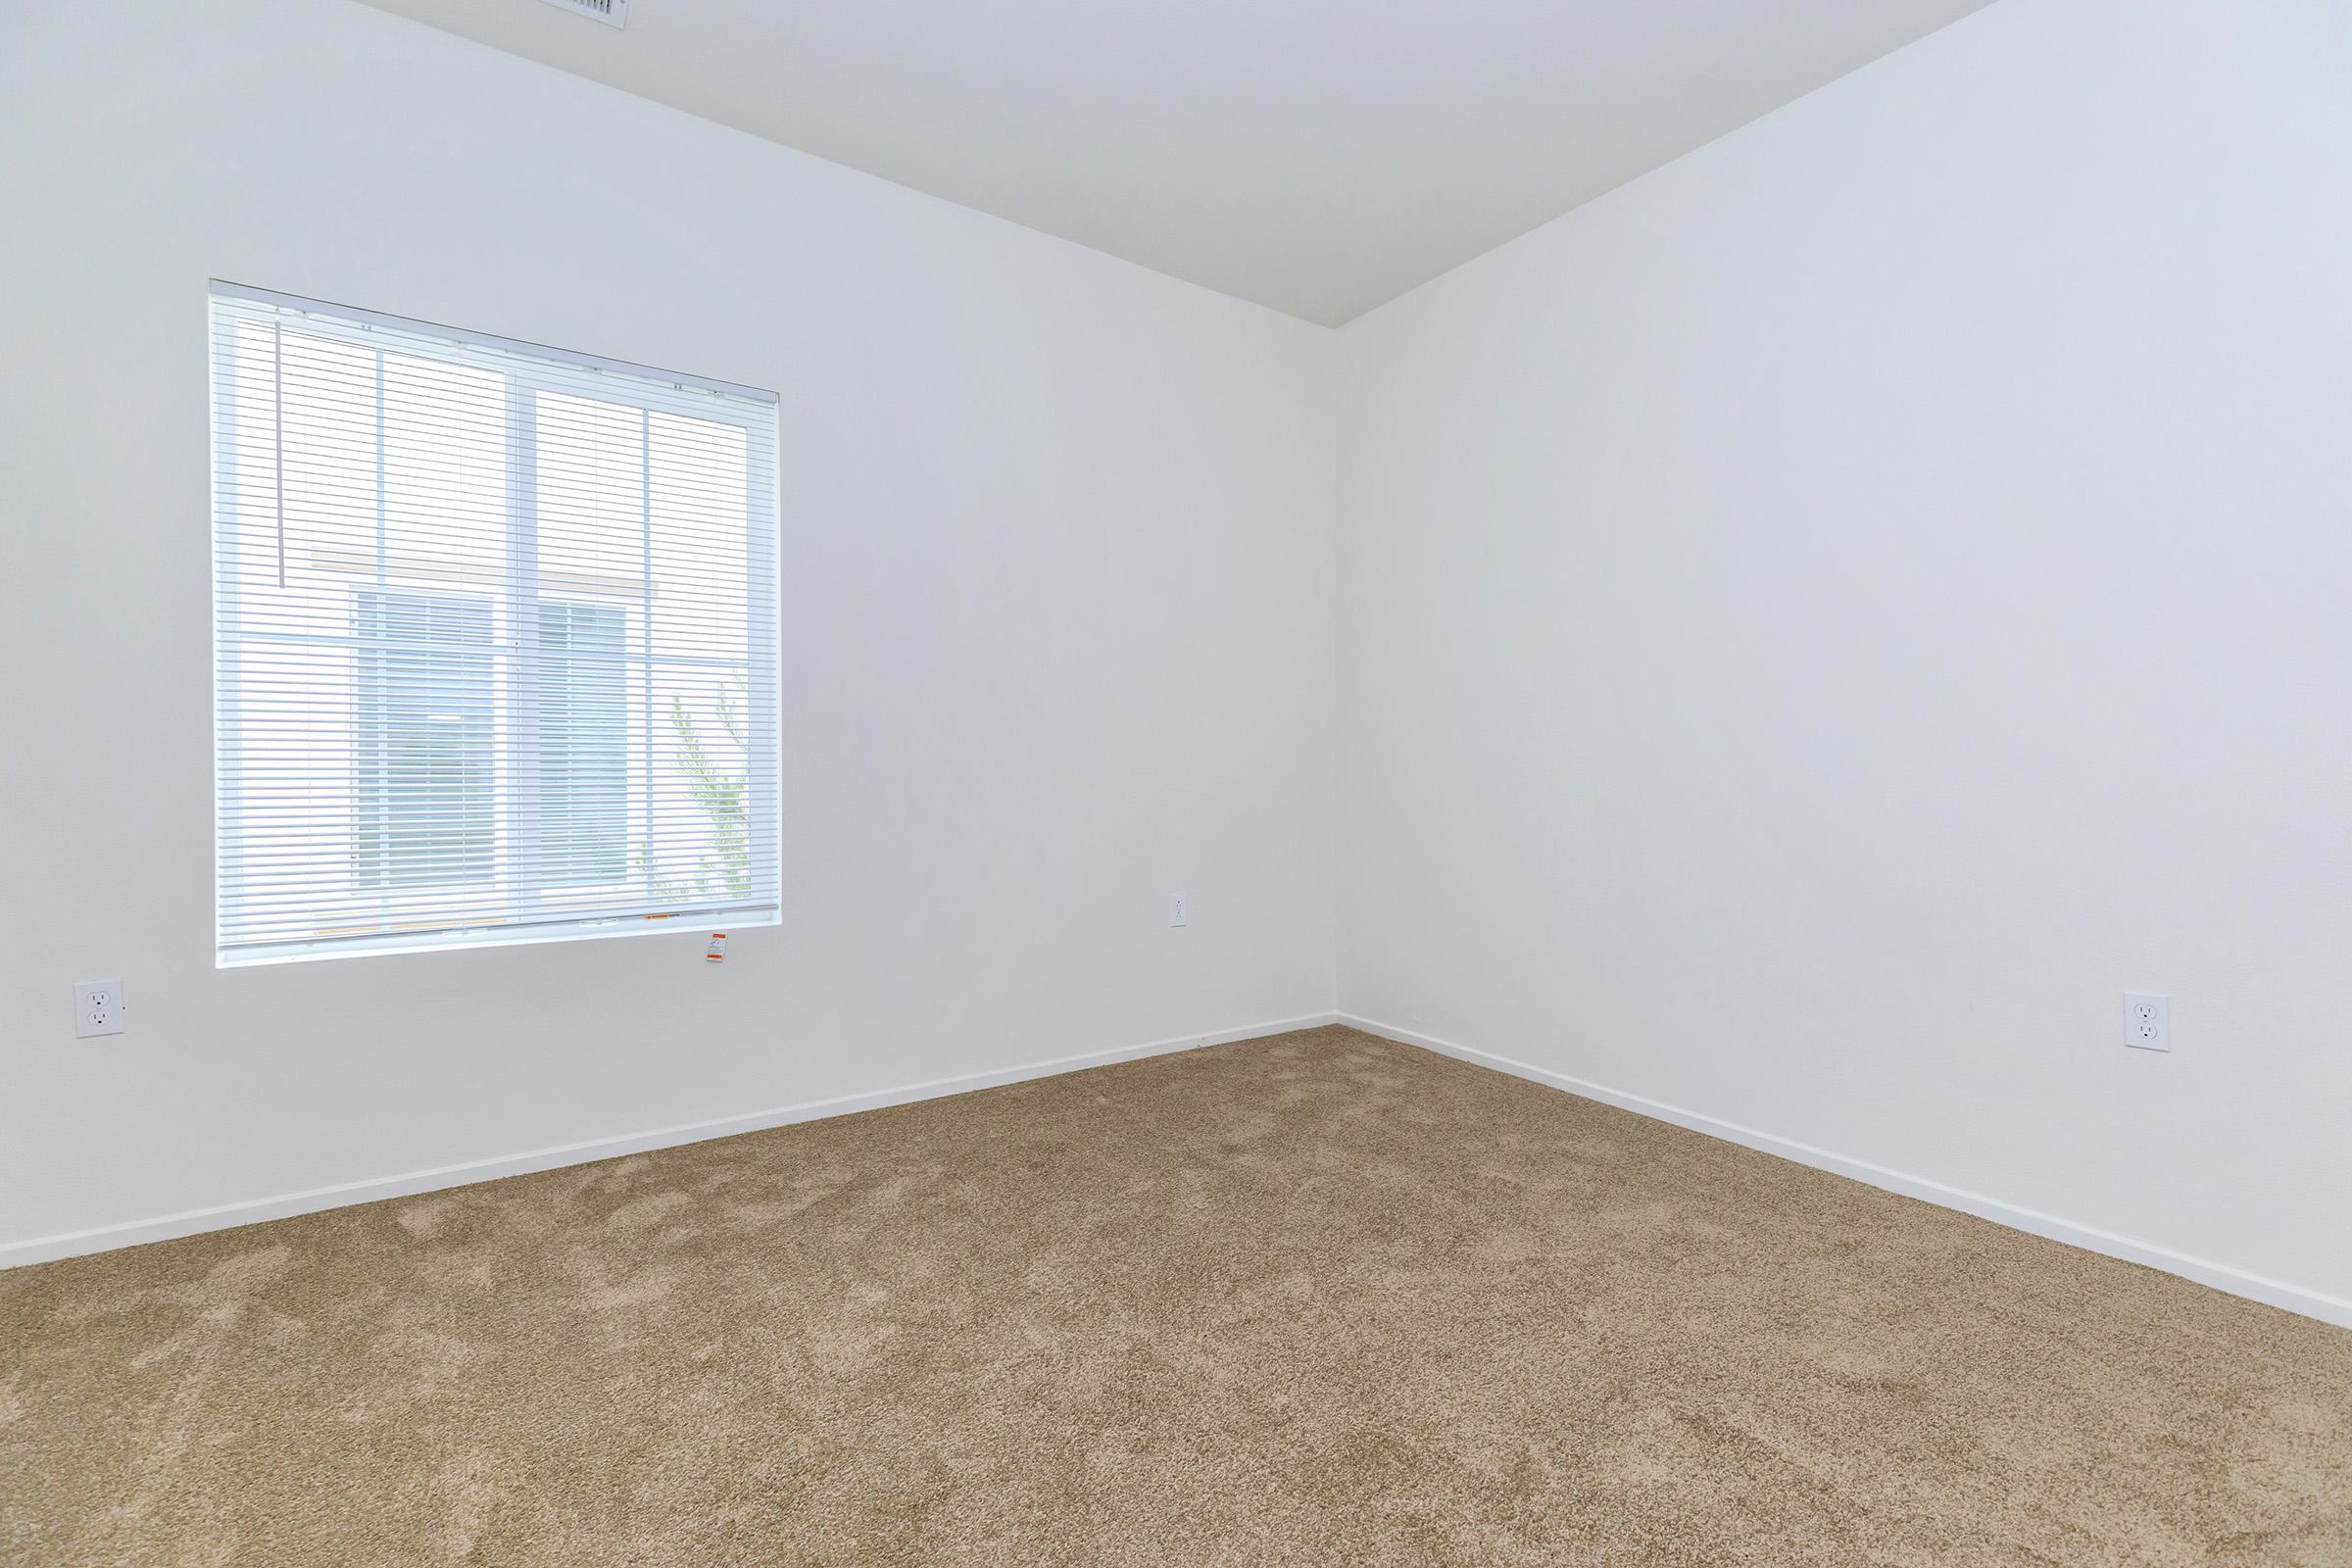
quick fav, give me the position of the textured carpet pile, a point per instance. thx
(1316, 1299)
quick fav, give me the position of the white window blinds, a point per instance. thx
(495, 628)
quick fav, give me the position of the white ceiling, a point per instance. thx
(1318, 156)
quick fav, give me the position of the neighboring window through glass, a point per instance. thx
(420, 713)
(583, 744)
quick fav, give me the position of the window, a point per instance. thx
(495, 639)
(423, 810)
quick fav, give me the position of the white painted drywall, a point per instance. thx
(1320, 158)
(1822, 621)
(1057, 624)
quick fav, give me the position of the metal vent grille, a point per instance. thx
(612, 13)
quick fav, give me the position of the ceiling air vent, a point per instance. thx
(612, 13)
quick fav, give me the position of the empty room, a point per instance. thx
(1524, 782)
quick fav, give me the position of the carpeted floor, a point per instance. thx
(1313, 1300)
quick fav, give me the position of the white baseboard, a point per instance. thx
(134, 1233)
(2205, 1271)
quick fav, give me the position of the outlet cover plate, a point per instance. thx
(97, 1007)
(2147, 1021)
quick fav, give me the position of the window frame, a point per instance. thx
(521, 753)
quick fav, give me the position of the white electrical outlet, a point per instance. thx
(2147, 1021)
(1177, 914)
(98, 1008)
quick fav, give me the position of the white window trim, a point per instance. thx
(350, 323)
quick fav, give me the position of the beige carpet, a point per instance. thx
(1316, 1299)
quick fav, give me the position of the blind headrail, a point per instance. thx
(466, 337)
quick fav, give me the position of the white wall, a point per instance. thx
(1058, 626)
(1820, 622)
